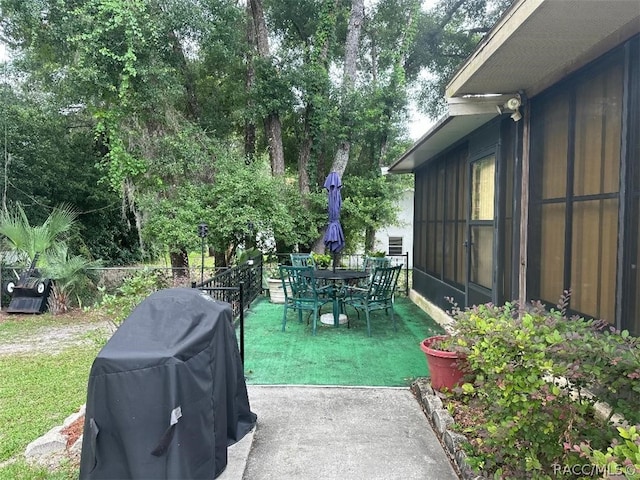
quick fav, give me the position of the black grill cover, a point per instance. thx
(166, 395)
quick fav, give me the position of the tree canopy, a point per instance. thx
(151, 116)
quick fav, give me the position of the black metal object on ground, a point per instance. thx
(30, 293)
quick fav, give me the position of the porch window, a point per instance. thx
(576, 145)
(482, 216)
(440, 218)
(484, 172)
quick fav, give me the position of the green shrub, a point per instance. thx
(116, 307)
(621, 459)
(322, 260)
(532, 371)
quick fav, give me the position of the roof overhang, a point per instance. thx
(538, 42)
(534, 45)
(442, 135)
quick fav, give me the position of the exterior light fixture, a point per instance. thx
(512, 104)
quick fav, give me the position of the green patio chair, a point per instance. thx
(377, 296)
(370, 264)
(306, 260)
(302, 260)
(301, 293)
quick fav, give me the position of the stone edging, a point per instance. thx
(50, 449)
(441, 420)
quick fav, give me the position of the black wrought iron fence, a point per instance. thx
(224, 285)
(238, 286)
(113, 277)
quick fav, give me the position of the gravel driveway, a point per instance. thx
(53, 339)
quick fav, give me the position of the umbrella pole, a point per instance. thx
(335, 255)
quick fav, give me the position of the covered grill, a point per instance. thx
(167, 394)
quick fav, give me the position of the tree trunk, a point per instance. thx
(249, 140)
(305, 155)
(220, 259)
(342, 157)
(260, 26)
(369, 239)
(319, 246)
(274, 137)
(348, 81)
(250, 126)
(273, 127)
(179, 265)
(317, 60)
(352, 44)
(58, 301)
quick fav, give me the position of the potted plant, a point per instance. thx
(445, 361)
(271, 281)
(321, 260)
(447, 354)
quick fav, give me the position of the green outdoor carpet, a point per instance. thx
(336, 356)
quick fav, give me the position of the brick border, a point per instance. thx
(441, 420)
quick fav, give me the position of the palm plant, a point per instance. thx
(70, 275)
(27, 241)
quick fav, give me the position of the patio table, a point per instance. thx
(334, 277)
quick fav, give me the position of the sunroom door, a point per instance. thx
(480, 232)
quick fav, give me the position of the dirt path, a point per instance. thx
(53, 339)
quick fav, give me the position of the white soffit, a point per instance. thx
(442, 135)
(537, 42)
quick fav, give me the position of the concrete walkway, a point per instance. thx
(337, 433)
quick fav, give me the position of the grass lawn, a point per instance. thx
(20, 470)
(14, 327)
(38, 391)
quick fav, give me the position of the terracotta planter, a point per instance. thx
(445, 367)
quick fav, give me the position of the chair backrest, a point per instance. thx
(383, 283)
(299, 279)
(302, 260)
(371, 263)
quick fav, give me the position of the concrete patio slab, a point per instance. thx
(338, 433)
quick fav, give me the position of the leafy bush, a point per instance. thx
(116, 307)
(620, 459)
(535, 375)
(322, 260)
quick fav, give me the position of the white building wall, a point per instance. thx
(404, 229)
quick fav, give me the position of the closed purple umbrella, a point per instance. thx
(334, 237)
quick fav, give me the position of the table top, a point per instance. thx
(339, 274)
